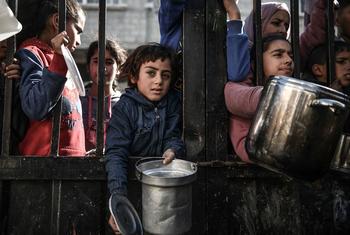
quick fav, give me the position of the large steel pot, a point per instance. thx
(296, 128)
(166, 195)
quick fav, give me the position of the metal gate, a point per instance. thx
(62, 195)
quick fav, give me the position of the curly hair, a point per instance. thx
(143, 54)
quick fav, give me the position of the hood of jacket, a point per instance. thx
(135, 95)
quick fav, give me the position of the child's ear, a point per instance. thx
(318, 70)
(133, 80)
(54, 21)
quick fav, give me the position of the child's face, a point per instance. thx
(279, 23)
(342, 68)
(343, 21)
(111, 68)
(154, 79)
(74, 29)
(278, 59)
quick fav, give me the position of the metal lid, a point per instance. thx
(125, 215)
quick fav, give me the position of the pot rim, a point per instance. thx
(191, 169)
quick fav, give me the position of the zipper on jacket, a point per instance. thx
(158, 126)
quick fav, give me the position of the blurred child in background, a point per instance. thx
(317, 66)
(114, 57)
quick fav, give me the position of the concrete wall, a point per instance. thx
(131, 25)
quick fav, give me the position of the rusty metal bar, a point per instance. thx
(57, 184)
(56, 125)
(101, 77)
(330, 43)
(55, 206)
(294, 7)
(259, 75)
(6, 121)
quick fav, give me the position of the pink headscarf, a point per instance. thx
(267, 11)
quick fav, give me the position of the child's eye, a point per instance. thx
(340, 61)
(275, 23)
(166, 76)
(277, 55)
(151, 73)
(109, 62)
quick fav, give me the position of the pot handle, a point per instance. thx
(334, 105)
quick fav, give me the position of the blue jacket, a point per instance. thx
(238, 57)
(238, 52)
(170, 22)
(139, 127)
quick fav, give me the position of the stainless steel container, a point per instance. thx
(297, 127)
(341, 160)
(166, 195)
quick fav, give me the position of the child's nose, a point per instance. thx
(158, 78)
(282, 30)
(78, 41)
(289, 59)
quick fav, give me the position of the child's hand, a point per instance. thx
(113, 225)
(232, 9)
(12, 71)
(58, 40)
(168, 156)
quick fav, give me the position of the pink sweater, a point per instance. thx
(241, 101)
(242, 98)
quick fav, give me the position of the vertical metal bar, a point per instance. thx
(55, 206)
(330, 43)
(194, 79)
(57, 184)
(215, 66)
(6, 122)
(56, 125)
(101, 77)
(258, 43)
(295, 36)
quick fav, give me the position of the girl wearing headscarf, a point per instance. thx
(275, 18)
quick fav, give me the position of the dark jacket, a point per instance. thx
(170, 22)
(139, 127)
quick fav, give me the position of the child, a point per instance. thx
(317, 66)
(114, 57)
(242, 98)
(145, 120)
(43, 82)
(343, 20)
(275, 18)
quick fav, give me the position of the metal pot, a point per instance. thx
(166, 195)
(341, 160)
(296, 128)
